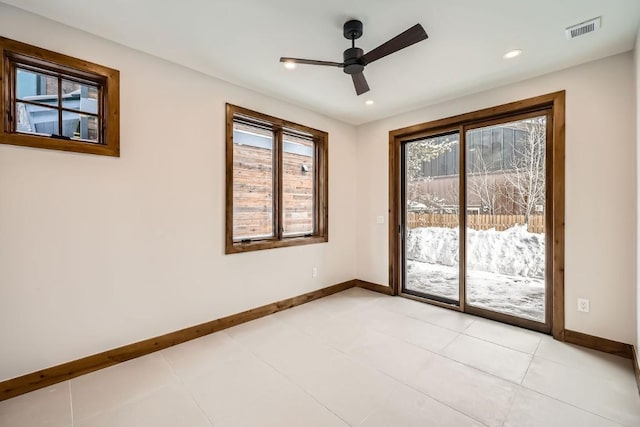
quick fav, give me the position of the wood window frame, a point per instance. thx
(15, 54)
(553, 102)
(321, 185)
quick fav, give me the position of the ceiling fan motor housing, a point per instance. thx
(352, 62)
(352, 29)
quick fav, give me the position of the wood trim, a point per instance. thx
(462, 218)
(598, 343)
(278, 197)
(636, 367)
(321, 202)
(505, 110)
(507, 318)
(256, 245)
(228, 228)
(387, 290)
(557, 323)
(274, 121)
(448, 306)
(66, 371)
(395, 262)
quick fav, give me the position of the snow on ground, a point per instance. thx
(505, 269)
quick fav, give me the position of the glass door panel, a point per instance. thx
(505, 218)
(431, 169)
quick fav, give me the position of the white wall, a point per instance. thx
(600, 188)
(98, 252)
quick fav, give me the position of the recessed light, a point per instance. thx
(289, 65)
(512, 54)
(369, 102)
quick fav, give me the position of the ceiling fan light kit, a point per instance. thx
(354, 58)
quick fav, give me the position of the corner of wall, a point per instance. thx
(636, 55)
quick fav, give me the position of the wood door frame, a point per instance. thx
(555, 174)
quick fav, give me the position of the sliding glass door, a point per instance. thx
(476, 240)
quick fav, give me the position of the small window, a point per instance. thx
(276, 182)
(50, 100)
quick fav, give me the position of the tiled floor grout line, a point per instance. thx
(583, 370)
(475, 337)
(518, 384)
(350, 357)
(440, 352)
(71, 403)
(513, 399)
(498, 344)
(478, 369)
(571, 404)
(464, 332)
(295, 384)
(432, 323)
(552, 397)
(124, 403)
(469, 325)
(184, 385)
(422, 348)
(537, 347)
(529, 365)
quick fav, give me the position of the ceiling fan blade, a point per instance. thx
(311, 62)
(360, 83)
(413, 35)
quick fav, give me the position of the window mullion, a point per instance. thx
(60, 106)
(277, 183)
(316, 187)
(12, 96)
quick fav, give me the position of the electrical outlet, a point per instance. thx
(583, 305)
(380, 219)
(314, 272)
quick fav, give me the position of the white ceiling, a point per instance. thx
(241, 41)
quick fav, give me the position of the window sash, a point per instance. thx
(15, 65)
(278, 135)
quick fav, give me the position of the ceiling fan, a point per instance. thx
(355, 59)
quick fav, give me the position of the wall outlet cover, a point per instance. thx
(583, 305)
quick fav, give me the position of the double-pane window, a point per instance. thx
(276, 182)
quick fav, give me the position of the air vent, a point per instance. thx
(583, 28)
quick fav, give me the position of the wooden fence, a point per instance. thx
(476, 222)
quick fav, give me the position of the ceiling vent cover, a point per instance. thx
(583, 28)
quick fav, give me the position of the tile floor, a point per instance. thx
(356, 358)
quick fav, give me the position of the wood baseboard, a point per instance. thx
(66, 371)
(597, 343)
(374, 287)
